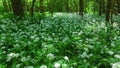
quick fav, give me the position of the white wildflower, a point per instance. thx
(115, 24)
(28, 67)
(57, 65)
(29, 42)
(23, 59)
(50, 56)
(90, 55)
(117, 56)
(33, 37)
(116, 65)
(110, 52)
(84, 54)
(12, 55)
(43, 66)
(66, 58)
(93, 20)
(113, 44)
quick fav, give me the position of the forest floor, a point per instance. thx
(61, 41)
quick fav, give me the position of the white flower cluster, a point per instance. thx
(116, 65)
(24, 59)
(115, 24)
(113, 44)
(50, 56)
(66, 58)
(85, 55)
(57, 65)
(110, 52)
(43, 66)
(11, 56)
(117, 56)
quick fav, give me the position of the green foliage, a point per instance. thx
(63, 39)
(6, 15)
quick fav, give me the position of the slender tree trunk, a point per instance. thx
(103, 6)
(25, 5)
(81, 7)
(100, 7)
(51, 8)
(32, 8)
(94, 10)
(109, 23)
(108, 10)
(17, 7)
(118, 5)
(42, 6)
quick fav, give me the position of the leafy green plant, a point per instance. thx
(64, 40)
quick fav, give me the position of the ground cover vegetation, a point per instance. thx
(59, 34)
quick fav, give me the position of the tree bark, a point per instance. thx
(118, 5)
(51, 8)
(100, 7)
(25, 5)
(108, 10)
(42, 6)
(81, 7)
(32, 8)
(103, 6)
(17, 7)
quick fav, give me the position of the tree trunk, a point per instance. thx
(17, 7)
(32, 8)
(51, 8)
(42, 6)
(118, 5)
(81, 7)
(108, 10)
(25, 5)
(100, 7)
(103, 6)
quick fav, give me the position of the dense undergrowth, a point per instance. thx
(64, 40)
